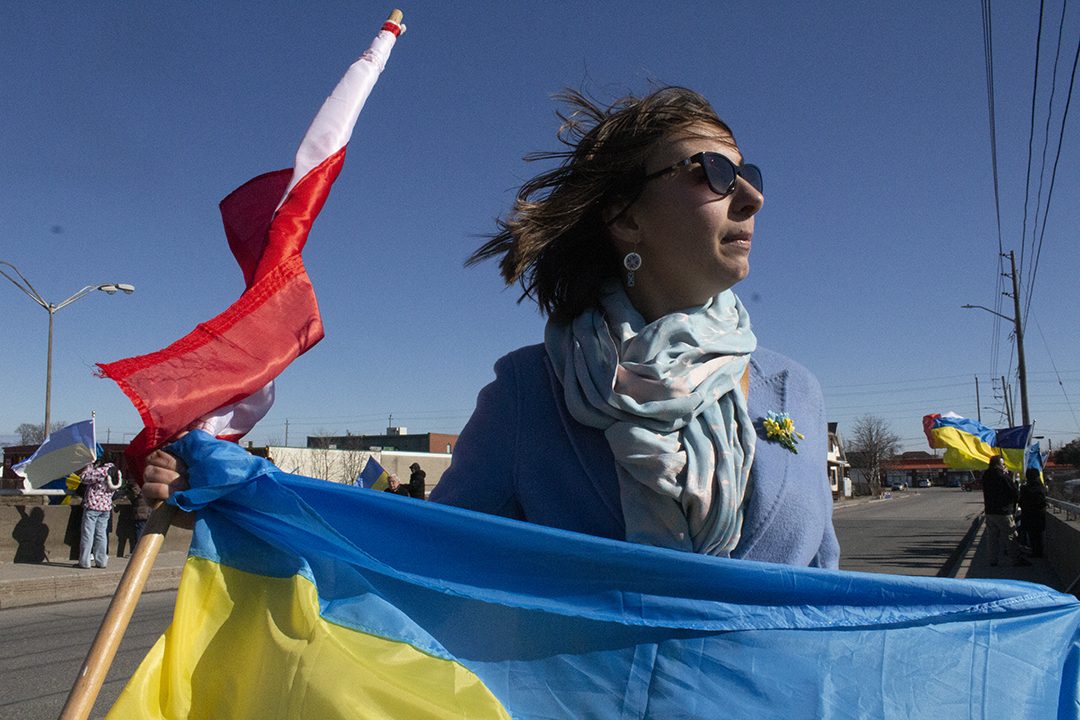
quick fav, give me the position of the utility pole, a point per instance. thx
(286, 432)
(1005, 391)
(1021, 366)
(978, 405)
(1018, 331)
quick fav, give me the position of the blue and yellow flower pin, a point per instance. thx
(779, 427)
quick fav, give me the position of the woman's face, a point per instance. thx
(693, 243)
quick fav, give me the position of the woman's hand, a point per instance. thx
(164, 475)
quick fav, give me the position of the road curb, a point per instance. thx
(42, 591)
(959, 563)
(23, 585)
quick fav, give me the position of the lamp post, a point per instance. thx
(23, 284)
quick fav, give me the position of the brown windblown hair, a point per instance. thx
(554, 242)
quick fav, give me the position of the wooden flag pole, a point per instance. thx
(80, 701)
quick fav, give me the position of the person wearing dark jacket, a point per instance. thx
(393, 485)
(417, 484)
(1033, 511)
(999, 501)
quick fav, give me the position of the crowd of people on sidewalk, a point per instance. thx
(102, 491)
(1001, 496)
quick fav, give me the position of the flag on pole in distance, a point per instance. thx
(203, 380)
(373, 476)
(969, 444)
(65, 451)
(293, 604)
(1012, 444)
(69, 485)
(1036, 459)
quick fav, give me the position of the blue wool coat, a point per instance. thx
(523, 456)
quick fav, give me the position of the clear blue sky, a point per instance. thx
(125, 123)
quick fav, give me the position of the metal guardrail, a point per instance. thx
(1071, 510)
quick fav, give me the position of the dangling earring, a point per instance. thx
(632, 262)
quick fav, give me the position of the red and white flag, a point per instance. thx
(219, 377)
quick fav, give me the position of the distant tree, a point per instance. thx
(872, 446)
(34, 433)
(352, 462)
(322, 460)
(1069, 454)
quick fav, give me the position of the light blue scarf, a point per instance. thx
(667, 395)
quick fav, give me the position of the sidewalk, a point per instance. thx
(975, 564)
(57, 581)
(973, 561)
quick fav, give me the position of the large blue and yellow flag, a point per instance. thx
(64, 451)
(969, 444)
(303, 598)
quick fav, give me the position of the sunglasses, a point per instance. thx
(720, 172)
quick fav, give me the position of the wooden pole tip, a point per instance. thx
(395, 16)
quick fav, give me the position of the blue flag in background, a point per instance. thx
(294, 603)
(1035, 458)
(373, 477)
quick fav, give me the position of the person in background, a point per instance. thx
(417, 482)
(131, 517)
(73, 530)
(1033, 511)
(142, 511)
(999, 502)
(126, 535)
(649, 413)
(393, 485)
(97, 512)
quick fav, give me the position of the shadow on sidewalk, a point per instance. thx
(1038, 570)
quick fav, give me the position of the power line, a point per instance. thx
(1053, 176)
(988, 55)
(1046, 143)
(1031, 133)
(1061, 384)
(920, 381)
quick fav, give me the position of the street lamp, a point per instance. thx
(23, 284)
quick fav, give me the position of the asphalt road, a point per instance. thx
(914, 533)
(43, 647)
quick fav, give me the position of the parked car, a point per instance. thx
(924, 483)
(898, 485)
(970, 485)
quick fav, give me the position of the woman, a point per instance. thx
(632, 420)
(643, 415)
(1033, 511)
(97, 514)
